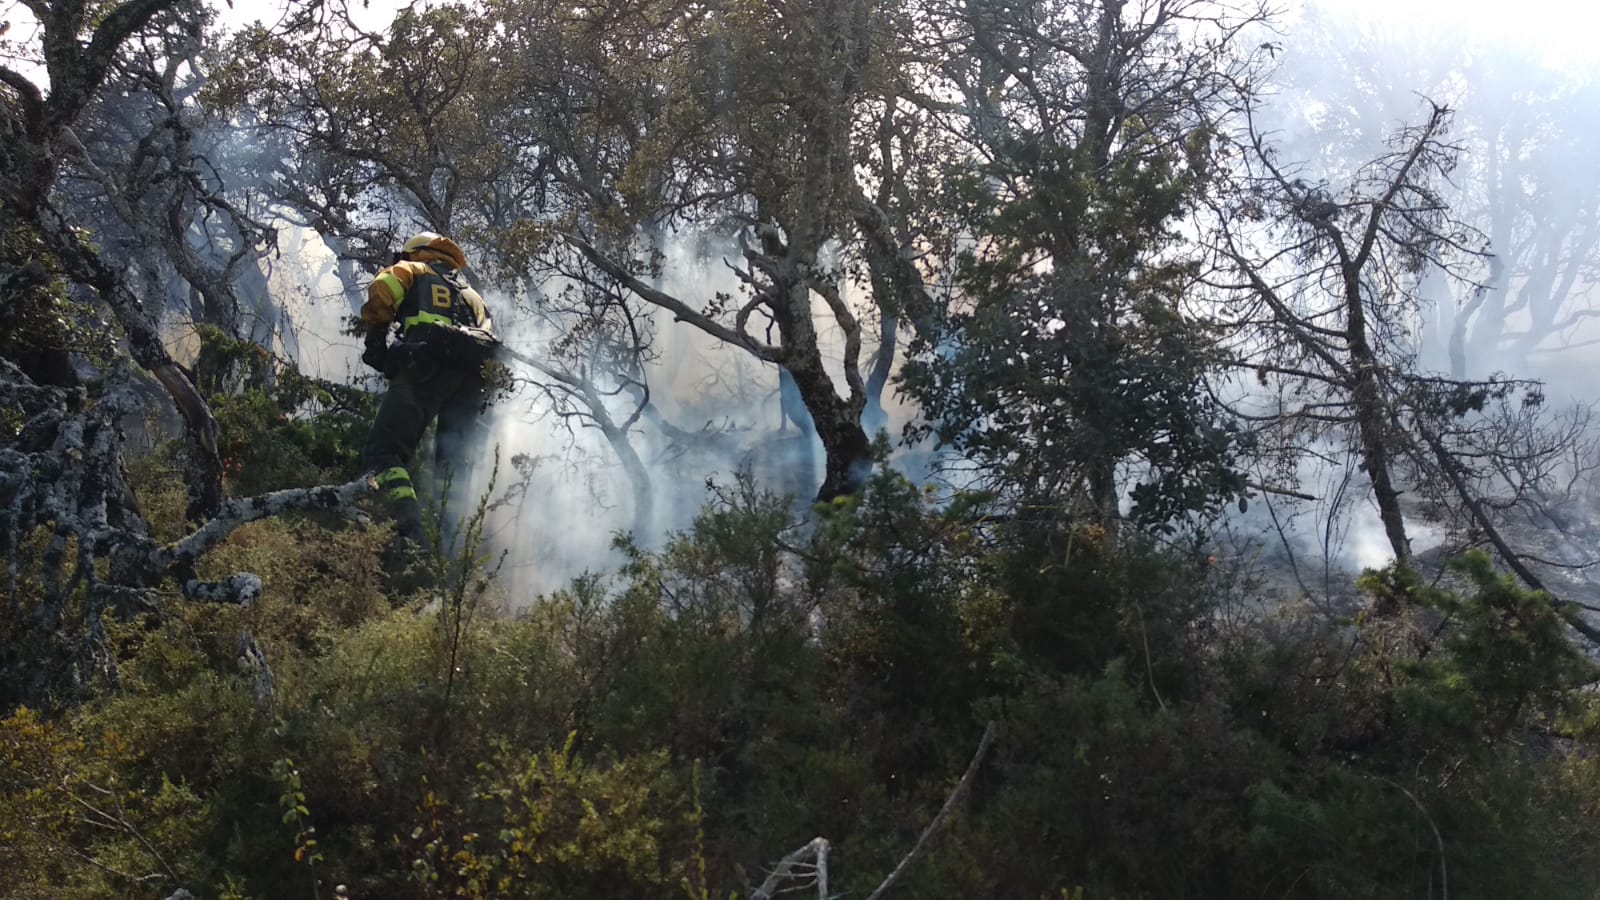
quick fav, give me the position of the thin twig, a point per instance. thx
(1268, 489)
(1444, 875)
(938, 820)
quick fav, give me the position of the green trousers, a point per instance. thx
(419, 394)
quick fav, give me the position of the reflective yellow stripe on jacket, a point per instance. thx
(427, 318)
(390, 283)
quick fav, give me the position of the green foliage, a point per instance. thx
(1506, 658)
(317, 581)
(130, 836)
(565, 829)
(295, 813)
(1075, 357)
(676, 726)
(43, 322)
(1430, 770)
(279, 428)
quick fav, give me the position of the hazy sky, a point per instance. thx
(367, 14)
(1565, 29)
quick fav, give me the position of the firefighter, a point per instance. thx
(435, 369)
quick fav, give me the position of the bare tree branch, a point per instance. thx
(944, 814)
(793, 863)
(672, 304)
(28, 93)
(241, 511)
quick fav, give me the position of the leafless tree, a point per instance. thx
(1527, 126)
(1336, 285)
(71, 529)
(1327, 308)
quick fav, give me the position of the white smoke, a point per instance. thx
(560, 496)
(578, 497)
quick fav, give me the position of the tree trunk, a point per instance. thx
(35, 132)
(638, 478)
(1370, 417)
(204, 475)
(848, 453)
(874, 418)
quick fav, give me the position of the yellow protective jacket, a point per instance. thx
(387, 293)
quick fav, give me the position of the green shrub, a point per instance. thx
(680, 724)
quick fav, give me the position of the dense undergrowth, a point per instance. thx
(672, 728)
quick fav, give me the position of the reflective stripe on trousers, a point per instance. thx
(396, 484)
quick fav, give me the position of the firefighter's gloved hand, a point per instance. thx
(377, 353)
(376, 356)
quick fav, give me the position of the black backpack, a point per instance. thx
(438, 324)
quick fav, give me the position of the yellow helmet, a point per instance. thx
(419, 240)
(433, 242)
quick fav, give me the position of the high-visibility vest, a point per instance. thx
(438, 298)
